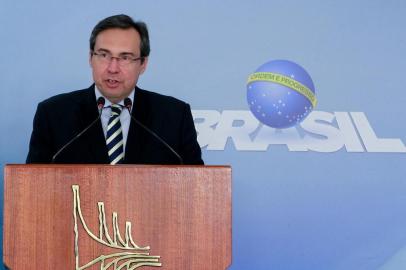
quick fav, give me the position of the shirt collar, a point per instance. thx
(108, 102)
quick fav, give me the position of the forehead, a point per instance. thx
(118, 40)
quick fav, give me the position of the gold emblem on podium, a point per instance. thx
(131, 256)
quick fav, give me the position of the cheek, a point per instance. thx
(130, 77)
(97, 73)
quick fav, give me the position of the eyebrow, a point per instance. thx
(122, 53)
(103, 50)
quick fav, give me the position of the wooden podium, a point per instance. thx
(107, 217)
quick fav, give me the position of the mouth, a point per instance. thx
(112, 83)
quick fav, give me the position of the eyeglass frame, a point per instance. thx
(109, 58)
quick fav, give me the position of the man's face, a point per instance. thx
(116, 81)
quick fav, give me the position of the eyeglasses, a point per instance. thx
(122, 60)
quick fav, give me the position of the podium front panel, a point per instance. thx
(117, 217)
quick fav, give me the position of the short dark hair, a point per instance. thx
(122, 21)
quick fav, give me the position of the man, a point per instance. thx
(119, 50)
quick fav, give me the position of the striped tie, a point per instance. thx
(114, 138)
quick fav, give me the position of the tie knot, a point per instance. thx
(115, 109)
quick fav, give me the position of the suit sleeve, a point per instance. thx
(40, 149)
(190, 148)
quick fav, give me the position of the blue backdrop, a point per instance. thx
(327, 194)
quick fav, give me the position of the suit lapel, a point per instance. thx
(136, 135)
(94, 136)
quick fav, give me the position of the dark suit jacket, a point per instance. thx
(60, 118)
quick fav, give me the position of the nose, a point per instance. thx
(113, 66)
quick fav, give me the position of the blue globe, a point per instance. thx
(280, 94)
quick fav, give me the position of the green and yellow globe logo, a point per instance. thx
(281, 94)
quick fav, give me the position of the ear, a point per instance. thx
(90, 58)
(144, 65)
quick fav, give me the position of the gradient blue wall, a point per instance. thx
(291, 210)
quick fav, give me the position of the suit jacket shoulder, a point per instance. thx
(171, 119)
(59, 119)
(156, 99)
(70, 98)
